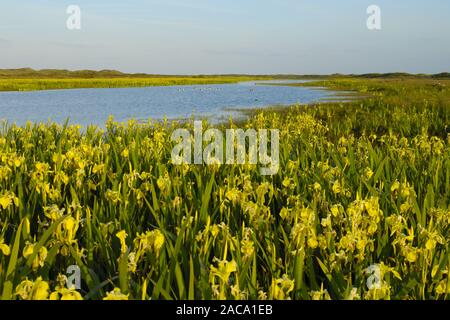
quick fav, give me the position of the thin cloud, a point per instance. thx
(5, 42)
(198, 5)
(241, 53)
(70, 45)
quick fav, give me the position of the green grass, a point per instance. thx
(77, 83)
(404, 106)
(27, 79)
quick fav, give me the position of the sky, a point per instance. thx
(227, 36)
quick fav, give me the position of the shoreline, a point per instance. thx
(45, 84)
(240, 115)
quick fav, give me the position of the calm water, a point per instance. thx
(93, 106)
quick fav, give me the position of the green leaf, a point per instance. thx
(180, 281)
(8, 286)
(123, 273)
(191, 295)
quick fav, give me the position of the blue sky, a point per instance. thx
(227, 36)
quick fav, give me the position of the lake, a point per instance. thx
(93, 106)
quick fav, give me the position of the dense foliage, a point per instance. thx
(361, 185)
